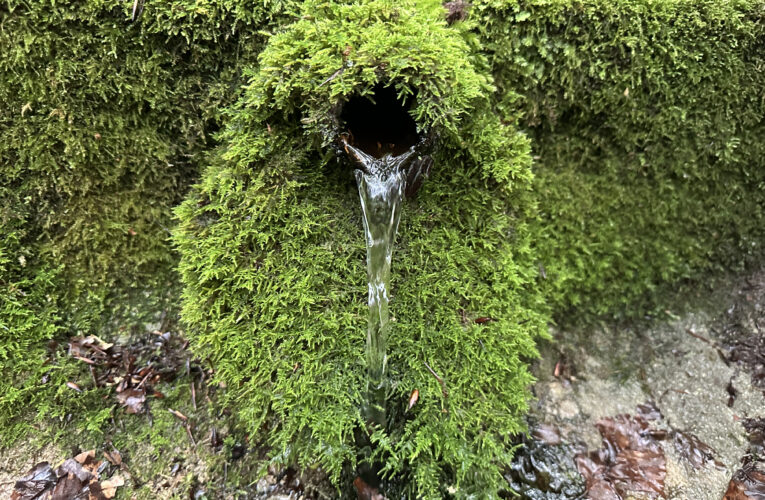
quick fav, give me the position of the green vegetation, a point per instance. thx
(274, 268)
(587, 154)
(647, 120)
(103, 124)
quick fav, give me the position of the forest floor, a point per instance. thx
(664, 408)
(670, 407)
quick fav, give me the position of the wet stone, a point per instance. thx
(545, 472)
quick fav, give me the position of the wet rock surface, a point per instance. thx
(703, 372)
(546, 471)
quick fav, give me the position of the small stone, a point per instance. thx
(568, 409)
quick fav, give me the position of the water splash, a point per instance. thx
(383, 183)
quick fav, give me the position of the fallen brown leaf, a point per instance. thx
(74, 468)
(694, 450)
(114, 457)
(484, 319)
(106, 489)
(38, 480)
(76, 478)
(85, 456)
(133, 399)
(748, 483)
(413, 397)
(68, 487)
(631, 460)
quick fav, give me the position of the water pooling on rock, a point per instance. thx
(383, 184)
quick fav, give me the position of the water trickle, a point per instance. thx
(383, 183)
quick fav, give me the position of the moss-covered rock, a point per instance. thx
(273, 259)
(646, 121)
(103, 122)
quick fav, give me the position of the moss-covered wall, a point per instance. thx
(641, 122)
(103, 123)
(647, 126)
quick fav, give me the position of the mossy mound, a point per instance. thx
(273, 258)
(646, 121)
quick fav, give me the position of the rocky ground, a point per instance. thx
(670, 407)
(667, 408)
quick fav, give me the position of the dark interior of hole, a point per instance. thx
(379, 125)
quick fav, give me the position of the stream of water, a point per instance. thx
(382, 186)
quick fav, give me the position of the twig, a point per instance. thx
(334, 75)
(178, 415)
(93, 374)
(193, 396)
(440, 380)
(714, 344)
(673, 390)
(143, 380)
(137, 9)
(84, 360)
(700, 337)
(191, 436)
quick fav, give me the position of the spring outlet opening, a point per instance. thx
(380, 124)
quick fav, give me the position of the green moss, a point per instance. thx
(33, 388)
(647, 124)
(274, 268)
(645, 120)
(103, 124)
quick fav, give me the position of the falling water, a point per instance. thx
(382, 182)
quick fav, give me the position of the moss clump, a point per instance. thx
(647, 122)
(29, 323)
(273, 258)
(103, 123)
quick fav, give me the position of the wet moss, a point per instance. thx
(274, 267)
(646, 120)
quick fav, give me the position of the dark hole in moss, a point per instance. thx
(380, 124)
